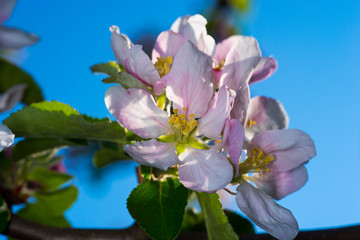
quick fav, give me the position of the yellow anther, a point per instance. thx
(181, 125)
(192, 115)
(163, 65)
(257, 161)
(184, 108)
(250, 122)
(220, 66)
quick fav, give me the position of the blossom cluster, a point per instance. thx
(195, 113)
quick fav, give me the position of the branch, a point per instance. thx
(27, 230)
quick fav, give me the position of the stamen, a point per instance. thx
(181, 125)
(250, 122)
(163, 65)
(256, 162)
(220, 66)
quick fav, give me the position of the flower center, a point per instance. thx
(256, 162)
(163, 65)
(182, 125)
(220, 66)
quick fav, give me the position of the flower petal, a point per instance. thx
(11, 97)
(235, 141)
(137, 111)
(153, 153)
(6, 8)
(290, 147)
(12, 38)
(241, 55)
(241, 103)
(193, 28)
(167, 44)
(189, 82)
(6, 137)
(264, 69)
(268, 114)
(133, 58)
(281, 184)
(264, 212)
(204, 170)
(212, 123)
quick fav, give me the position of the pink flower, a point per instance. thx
(11, 38)
(238, 63)
(177, 137)
(275, 161)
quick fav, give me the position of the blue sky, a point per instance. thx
(316, 44)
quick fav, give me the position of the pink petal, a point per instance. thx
(290, 147)
(264, 212)
(12, 38)
(264, 69)
(189, 82)
(268, 114)
(241, 103)
(137, 111)
(204, 170)
(133, 58)
(193, 28)
(212, 123)
(11, 97)
(235, 141)
(6, 137)
(153, 153)
(281, 184)
(241, 55)
(167, 44)
(6, 8)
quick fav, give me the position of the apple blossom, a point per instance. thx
(6, 137)
(176, 137)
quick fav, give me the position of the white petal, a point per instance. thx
(6, 8)
(212, 123)
(133, 58)
(153, 153)
(11, 97)
(6, 137)
(167, 44)
(189, 82)
(12, 38)
(204, 170)
(137, 111)
(268, 114)
(264, 212)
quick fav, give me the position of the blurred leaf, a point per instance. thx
(59, 201)
(217, 224)
(58, 120)
(11, 75)
(4, 215)
(106, 156)
(240, 224)
(158, 207)
(241, 5)
(51, 180)
(146, 172)
(39, 214)
(32, 147)
(110, 68)
(193, 222)
(126, 80)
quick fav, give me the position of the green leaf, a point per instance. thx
(38, 213)
(126, 80)
(59, 201)
(11, 75)
(4, 215)
(58, 120)
(51, 180)
(240, 224)
(32, 147)
(193, 222)
(106, 156)
(146, 172)
(158, 207)
(217, 224)
(110, 68)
